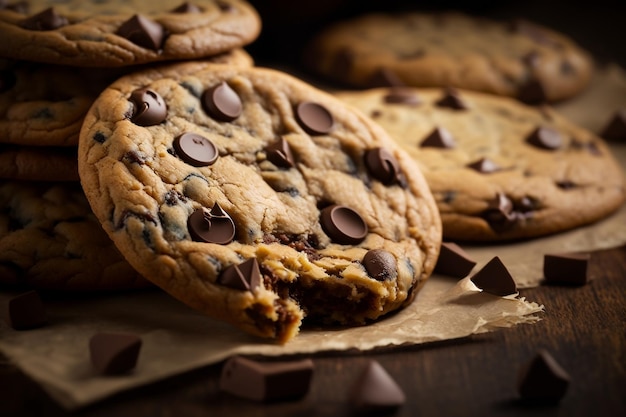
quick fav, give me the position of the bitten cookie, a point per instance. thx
(257, 199)
(37, 163)
(50, 239)
(499, 169)
(124, 32)
(517, 59)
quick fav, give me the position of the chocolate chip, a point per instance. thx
(380, 265)
(114, 353)
(484, 166)
(142, 31)
(187, 8)
(452, 99)
(439, 138)
(384, 77)
(214, 226)
(7, 80)
(375, 390)
(545, 138)
(18, 7)
(279, 153)
(26, 311)
(532, 92)
(222, 103)
(454, 261)
(566, 268)
(343, 225)
(383, 166)
(149, 107)
(500, 211)
(542, 379)
(566, 184)
(494, 278)
(225, 6)
(245, 277)
(46, 20)
(615, 130)
(314, 118)
(195, 149)
(402, 96)
(266, 381)
(531, 59)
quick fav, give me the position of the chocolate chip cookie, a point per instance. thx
(518, 59)
(258, 199)
(115, 33)
(499, 169)
(38, 163)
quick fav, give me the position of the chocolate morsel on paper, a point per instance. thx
(245, 277)
(615, 130)
(439, 138)
(494, 278)
(542, 379)
(484, 166)
(383, 166)
(26, 311)
(402, 96)
(214, 226)
(380, 265)
(452, 99)
(314, 118)
(149, 107)
(545, 138)
(195, 149)
(45, 20)
(186, 8)
(222, 103)
(142, 31)
(266, 381)
(453, 261)
(343, 225)
(375, 390)
(566, 268)
(279, 153)
(532, 92)
(114, 353)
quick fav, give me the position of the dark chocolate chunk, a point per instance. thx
(380, 265)
(615, 130)
(383, 166)
(7, 80)
(452, 99)
(195, 149)
(532, 92)
(214, 226)
(114, 353)
(545, 138)
(187, 8)
(376, 391)
(402, 96)
(142, 31)
(222, 103)
(245, 277)
(279, 153)
(343, 225)
(439, 138)
(542, 379)
(314, 118)
(266, 381)
(494, 278)
(484, 166)
(149, 107)
(384, 77)
(566, 268)
(45, 20)
(453, 261)
(26, 311)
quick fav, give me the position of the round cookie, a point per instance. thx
(50, 239)
(124, 32)
(517, 59)
(499, 169)
(258, 199)
(38, 163)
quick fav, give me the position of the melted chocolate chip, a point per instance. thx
(214, 226)
(375, 391)
(7, 80)
(99, 137)
(439, 138)
(187, 8)
(452, 99)
(142, 31)
(615, 130)
(245, 276)
(343, 225)
(26, 311)
(484, 166)
(494, 278)
(314, 118)
(222, 103)
(545, 138)
(532, 92)
(380, 265)
(402, 96)
(566, 184)
(383, 166)
(114, 353)
(46, 20)
(195, 149)
(542, 379)
(566, 268)
(149, 107)
(453, 261)
(279, 153)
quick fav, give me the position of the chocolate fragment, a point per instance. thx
(187, 8)
(484, 166)
(566, 268)
(222, 103)
(343, 225)
(615, 130)
(532, 92)
(384, 77)
(494, 278)
(279, 153)
(453, 261)
(314, 118)
(439, 138)
(545, 138)
(26, 311)
(214, 226)
(245, 277)
(542, 379)
(195, 149)
(42, 21)
(376, 391)
(7, 80)
(380, 265)
(149, 107)
(383, 166)
(452, 99)
(402, 96)
(114, 353)
(142, 31)
(266, 381)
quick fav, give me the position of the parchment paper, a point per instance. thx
(176, 339)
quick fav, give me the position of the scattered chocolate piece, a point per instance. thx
(383, 166)
(195, 149)
(150, 109)
(380, 265)
(615, 130)
(142, 31)
(545, 138)
(114, 353)
(494, 278)
(187, 8)
(532, 92)
(454, 261)
(452, 99)
(484, 166)
(279, 153)
(314, 118)
(245, 277)
(222, 103)
(26, 311)
(402, 96)
(439, 138)
(7, 80)
(214, 226)
(46, 20)
(384, 77)
(266, 381)
(343, 225)
(542, 379)
(566, 268)
(375, 390)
